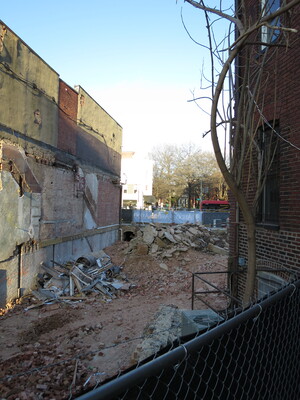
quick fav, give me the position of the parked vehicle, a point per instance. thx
(214, 205)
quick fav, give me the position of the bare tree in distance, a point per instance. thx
(238, 80)
(183, 170)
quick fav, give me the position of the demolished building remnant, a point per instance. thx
(60, 163)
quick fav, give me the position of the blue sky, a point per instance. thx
(134, 57)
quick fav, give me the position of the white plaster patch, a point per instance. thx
(92, 183)
(89, 222)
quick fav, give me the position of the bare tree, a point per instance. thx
(238, 105)
(182, 170)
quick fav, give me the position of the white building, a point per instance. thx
(136, 179)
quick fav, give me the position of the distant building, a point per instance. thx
(136, 180)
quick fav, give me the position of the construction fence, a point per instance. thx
(208, 218)
(250, 354)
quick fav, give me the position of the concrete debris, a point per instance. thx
(91, 274)
(149, 234)
(216, 249)
(164, 328)
(167, 241)
(164, 266)
(170, 237)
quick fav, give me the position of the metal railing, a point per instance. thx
(201, 294)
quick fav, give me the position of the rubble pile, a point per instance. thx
(93, 273)
(167, 241)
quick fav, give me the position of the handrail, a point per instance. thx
(198, 275)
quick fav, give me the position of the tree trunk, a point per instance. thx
(190, 195)
(251, 267)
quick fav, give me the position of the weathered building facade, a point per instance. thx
(276, 113)
(60, 155)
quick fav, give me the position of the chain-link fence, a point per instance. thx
(253, 354)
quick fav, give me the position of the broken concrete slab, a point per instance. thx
(193, 231)
(217, 250)
(160, 243)
(170, 237)
(149, 234)
(154, 248)
(164, 266)
(164, 328)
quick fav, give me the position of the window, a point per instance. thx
(130, 188)
(270, 35)
(268, 208)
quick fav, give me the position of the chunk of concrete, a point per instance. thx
(160, 242)
(170, 237)
(193, 231)
(149, 234)
(164, 266)
(217, 250)
(154, 248)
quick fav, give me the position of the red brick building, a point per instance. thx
(274, 56)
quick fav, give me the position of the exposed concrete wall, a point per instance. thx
(56, 224)
(59, 182)
(29, 91)
(104, 127)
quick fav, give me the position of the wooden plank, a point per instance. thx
(82, 273)
(50, 271)
(60, 268)
(71, 286)
(102, 289)
(77, 283)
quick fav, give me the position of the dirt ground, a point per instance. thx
(59, 350)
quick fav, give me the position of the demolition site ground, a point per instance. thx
(62, 348)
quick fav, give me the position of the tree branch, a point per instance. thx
(215, 11)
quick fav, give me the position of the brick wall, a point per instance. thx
(67, 118)
(280, 100)
(280, 247)
(108, 202)
(87, 147)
